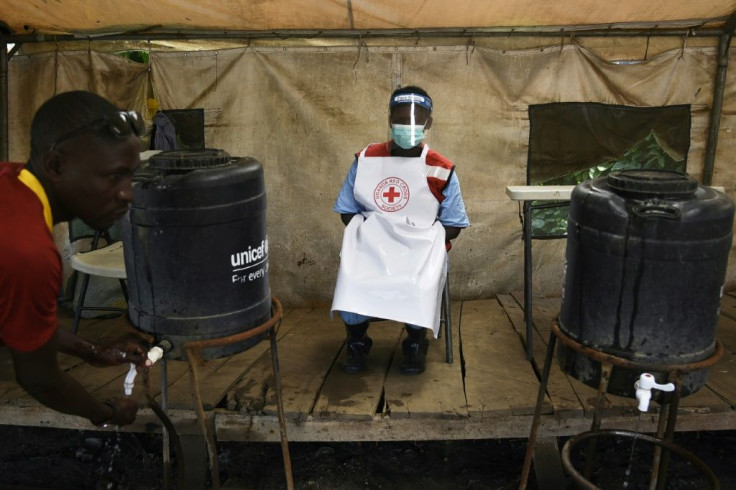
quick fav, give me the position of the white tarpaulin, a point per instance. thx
(84, 16)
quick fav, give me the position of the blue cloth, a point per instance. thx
(356, 319)
(452, 208)
(164, 133)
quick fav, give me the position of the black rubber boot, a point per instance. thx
(357, 347)
(415, 347)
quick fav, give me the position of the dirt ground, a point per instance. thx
(33, 458)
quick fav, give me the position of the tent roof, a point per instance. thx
(84, 17)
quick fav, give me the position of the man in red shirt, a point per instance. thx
(83, 155)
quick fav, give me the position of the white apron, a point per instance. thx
(393, 257)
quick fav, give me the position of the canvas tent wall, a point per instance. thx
(135, 16)
(304, 106)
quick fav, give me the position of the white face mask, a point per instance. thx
(407, 136)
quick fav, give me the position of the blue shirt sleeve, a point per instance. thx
(346, 203)
(452, 209)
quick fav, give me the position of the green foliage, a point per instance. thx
(550, 218)
(137, 56)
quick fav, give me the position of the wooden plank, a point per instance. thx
(545, 312)
(455, 315)
(705, 400)
(231, 426)
(115, 328)
(7, 372)
(728, 305)
(438, 391)
(175, 370)
(515, 311)
(563, 398)
(719, 394)
(218, 376)
(357, 397)
(89, 328)
(721, 377)
(9, 389)
(263, 426)
(306, 354)
(726, 332)
(498, 379)
(92, 378)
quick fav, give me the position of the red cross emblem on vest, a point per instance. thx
(391, 194)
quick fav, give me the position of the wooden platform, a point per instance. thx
(488, 392)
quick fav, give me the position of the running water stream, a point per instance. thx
(112, 452)
(627, 473)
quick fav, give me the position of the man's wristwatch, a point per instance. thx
(107, 421)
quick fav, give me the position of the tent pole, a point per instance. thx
(717, 107)
(622, 30)
(4, 150)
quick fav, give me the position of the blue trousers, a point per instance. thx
(356, 318)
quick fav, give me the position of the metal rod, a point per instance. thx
(280, 409)
(4, 141)
(193, 358)
(611, 30)
(198, 345)
(642, 365)
(717, 106)
(527, 234)
(193, 351)
(537, 412)
(446, 316)
(165, 432)
(669, 434)
(668, 411)
(606, 369)
(682, 452)
(661, 426)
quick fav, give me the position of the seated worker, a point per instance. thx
(402, 205)
(83, 155)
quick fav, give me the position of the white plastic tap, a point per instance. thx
(130, 380)
(153, 355)
(644, 387)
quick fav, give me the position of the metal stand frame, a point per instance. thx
(194, 357)
(667, 414)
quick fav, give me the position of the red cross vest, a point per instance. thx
(393, 259)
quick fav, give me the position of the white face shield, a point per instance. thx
(406, 131)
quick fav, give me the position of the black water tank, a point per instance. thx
(646, 262)
(196, 249)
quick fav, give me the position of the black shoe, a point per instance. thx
(415, 348)
(357, 348)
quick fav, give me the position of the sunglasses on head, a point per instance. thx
(120, 124)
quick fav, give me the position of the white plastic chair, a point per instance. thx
(104, 262)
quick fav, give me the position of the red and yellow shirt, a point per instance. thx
(30, 265)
